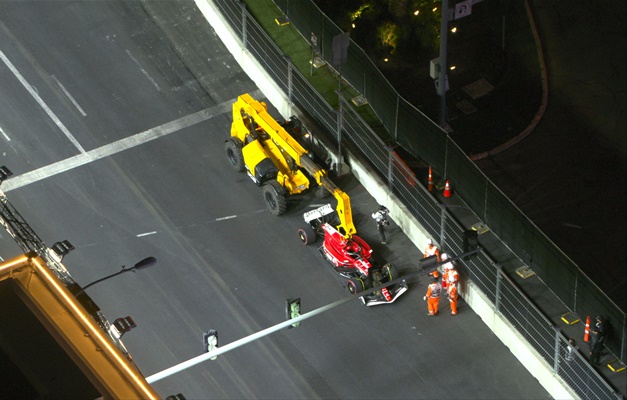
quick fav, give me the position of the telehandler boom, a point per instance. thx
(276, 161)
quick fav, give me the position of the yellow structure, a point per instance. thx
(273, 159)
(109, 370)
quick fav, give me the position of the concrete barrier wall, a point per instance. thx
(378, 189)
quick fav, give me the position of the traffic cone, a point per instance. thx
(430, 186)
(586, 333)
(447, 189)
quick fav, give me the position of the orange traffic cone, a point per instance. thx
(447, 189)
(586, 333)
(430, 186)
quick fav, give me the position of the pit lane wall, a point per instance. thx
(379, 190)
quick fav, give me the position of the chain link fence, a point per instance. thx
(413, 131)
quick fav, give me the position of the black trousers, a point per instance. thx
(381, 229)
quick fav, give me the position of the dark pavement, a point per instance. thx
(538, 101)
(551, 136)
(562, 159)
(565, 164)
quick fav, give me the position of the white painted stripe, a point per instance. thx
(5, 135)
(225, 218)
(41, 103)
(143, 71)
(146, 234)
(69, 96)
(115, 147)
(16, 182)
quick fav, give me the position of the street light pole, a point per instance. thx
(442, 62)
(145, 263)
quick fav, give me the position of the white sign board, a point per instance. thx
(463, 9)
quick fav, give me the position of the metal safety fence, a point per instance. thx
(486, 201)
(413, 131)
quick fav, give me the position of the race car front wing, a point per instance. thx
(387, 295)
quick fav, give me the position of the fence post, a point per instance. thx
(288, 59)
(575, 294)
(390, 167)
(556, 359)
(497, 295)
(340, 115)
(364, 87)
(442, 226)
(398, 100)
(243, 5)
(623, 338)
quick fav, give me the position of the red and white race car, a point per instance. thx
(351, 258)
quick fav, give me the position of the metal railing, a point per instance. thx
(488, 202)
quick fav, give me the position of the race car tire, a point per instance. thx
(233, 147)
(274, 196)
(355, 285)
(389, 272)
(307, 235)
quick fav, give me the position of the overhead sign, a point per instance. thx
(463, 9)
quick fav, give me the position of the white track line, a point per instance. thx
(146, 74)
(146, 234)
(115, 147)
(69, 96)
(5, 134)
(225, 218)
(41, 103)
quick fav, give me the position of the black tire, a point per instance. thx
(307, 235)
(322, 192)
(355, 285)
(389, 272)
(274, 196)
(233, 148)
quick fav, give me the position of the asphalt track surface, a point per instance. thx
(117, 147)
(568, 174)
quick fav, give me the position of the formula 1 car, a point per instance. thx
(351, 258)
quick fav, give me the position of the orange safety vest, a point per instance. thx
(452, 276)
(432, 250)
(452, 292)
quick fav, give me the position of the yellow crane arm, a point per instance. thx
(257, 113)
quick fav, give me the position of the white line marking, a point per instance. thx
(41, 103)
(5, 135)
(115, 147)
(69, 96)
(225, 218)
(143, 71)
(571, 225)
(146, 234)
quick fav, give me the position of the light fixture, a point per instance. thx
(124, 325)
(4, 173)
(61, 249)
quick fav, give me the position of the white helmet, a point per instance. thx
(444, 256)
(448, 265)
(429, 241)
